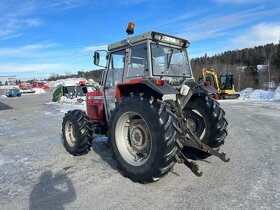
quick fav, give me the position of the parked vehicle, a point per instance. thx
(224, 84)
(13, 93)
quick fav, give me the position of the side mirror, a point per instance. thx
(96, 58)
(100, 58)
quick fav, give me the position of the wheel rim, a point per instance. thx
(70, 134)
(133, 138)
(196, 122)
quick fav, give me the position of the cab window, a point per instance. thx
(138, 65)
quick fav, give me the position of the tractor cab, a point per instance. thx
(150, 56)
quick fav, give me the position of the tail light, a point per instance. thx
(159, 82)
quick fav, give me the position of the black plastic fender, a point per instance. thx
(197, 88)
(147, 86)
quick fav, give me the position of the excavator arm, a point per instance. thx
(213, 74)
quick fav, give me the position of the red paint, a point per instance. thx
(95, 105)
(82, 82)
(118, 94)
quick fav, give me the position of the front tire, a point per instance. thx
(77, 137)
(143, 138)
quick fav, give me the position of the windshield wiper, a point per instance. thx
(169, 59)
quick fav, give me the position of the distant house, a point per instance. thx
(7, 80)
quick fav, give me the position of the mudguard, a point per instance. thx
(144, 85)
(197, 88)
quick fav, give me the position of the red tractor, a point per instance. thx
(149, 106)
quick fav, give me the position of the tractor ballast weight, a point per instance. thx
(151, 109)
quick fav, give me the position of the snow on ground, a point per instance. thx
(39, 91)
(66, 104)
(5, 87)
(259, 94)
(255, 97)
(28, 150)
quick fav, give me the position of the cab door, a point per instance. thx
(114, 76)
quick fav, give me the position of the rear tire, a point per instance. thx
(77, 137)
(208, 122)
(143, 138)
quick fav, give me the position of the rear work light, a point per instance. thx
(159, 82)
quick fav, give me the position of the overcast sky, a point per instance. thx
(41, 37)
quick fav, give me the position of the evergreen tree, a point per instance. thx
(251, 76)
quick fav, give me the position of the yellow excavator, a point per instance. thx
(223, 84)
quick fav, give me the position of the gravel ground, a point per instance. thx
(37, 173)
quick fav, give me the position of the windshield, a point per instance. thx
(169, 61)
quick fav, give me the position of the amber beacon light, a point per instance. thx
(130, 28)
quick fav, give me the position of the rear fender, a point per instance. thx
(146, 86)
(197, 88)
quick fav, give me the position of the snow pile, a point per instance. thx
(245, 94)
(258, 94)
(277, 93)
(39, 91)
(61, 81)
(79, 100)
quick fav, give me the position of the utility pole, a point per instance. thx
(268, 69)
(239, 80)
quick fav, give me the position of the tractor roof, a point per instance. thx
(151, 35)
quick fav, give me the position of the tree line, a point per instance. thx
(93, 74)
(257, 67)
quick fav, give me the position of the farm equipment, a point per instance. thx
(69, 89)
(152, 111)
(224, 84)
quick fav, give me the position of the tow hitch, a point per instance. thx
(195, 142)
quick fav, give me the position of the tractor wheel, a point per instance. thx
(143, 135)
(207, 120)
(77, 137)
